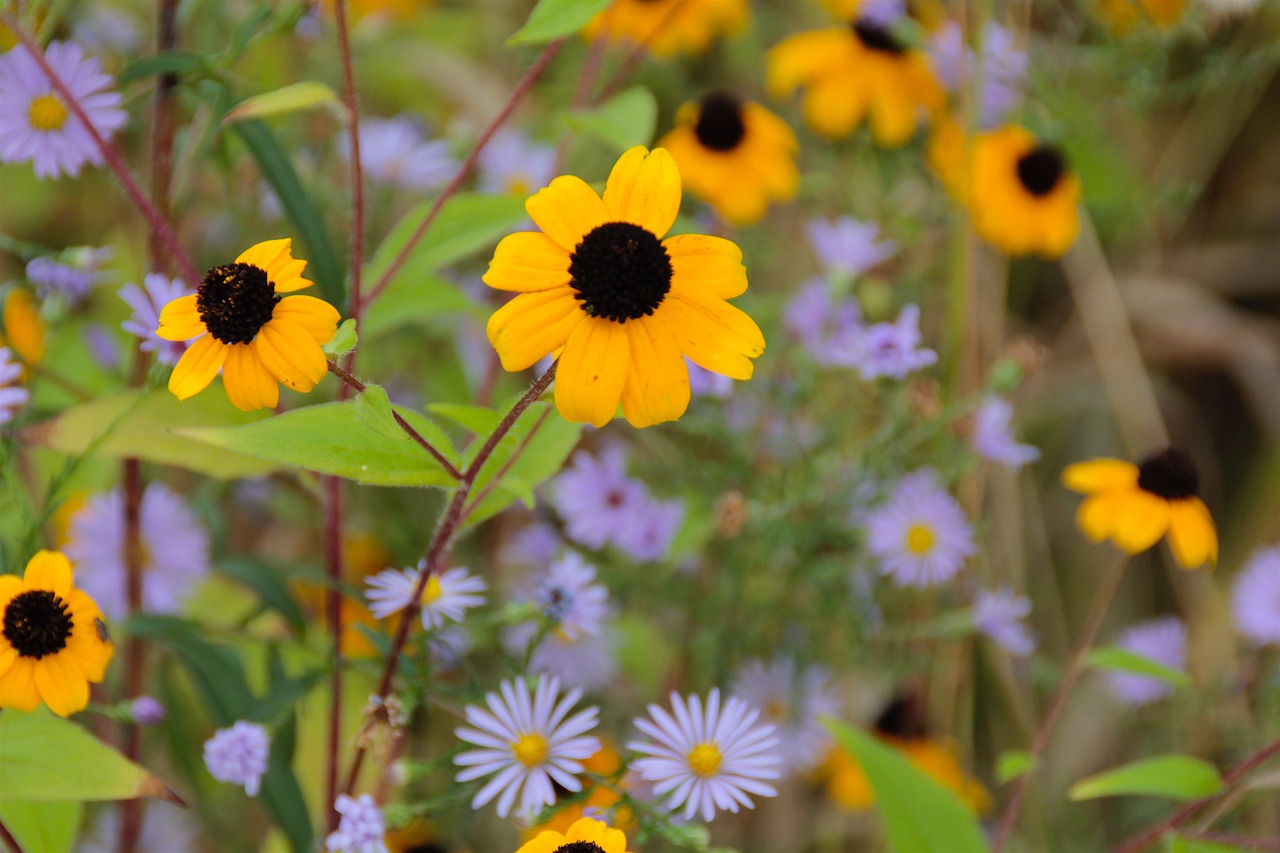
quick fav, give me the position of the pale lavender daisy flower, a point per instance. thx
(102, 29)
(35, 123)
(892, 349)
(175, 550)
(528, 744)
(569, 597)
(448, 646)
(165, 829)
(707, 758)
(993, 438)
(13, 397)
(238, 755)
(360, 827)
(846, 246)
(447, 596)
(920, 536)
(704, 383)
(147, 301)
(513, 163)
(794, 701)
(395, 151)
(586, 661)
(999, 615)
(1161, 640)
(534, 544)
(648, 532)
(1004, 68)
(882, 12)
(1255, 598)
(828, 329)
(595, 497)
(71, 275)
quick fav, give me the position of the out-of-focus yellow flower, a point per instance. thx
(23, 330)
(1124, 15)
(848, 787)
(391, 9)
(668, 27)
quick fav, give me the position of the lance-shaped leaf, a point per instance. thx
(294, 98)
(551, 19)
(1180, 777)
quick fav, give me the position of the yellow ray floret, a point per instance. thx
(587, 833)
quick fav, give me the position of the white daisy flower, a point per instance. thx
(708, 759)
(794, 701)
(447, 596)
(527, 744)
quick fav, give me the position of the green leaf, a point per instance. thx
(215, 670)
(920, 816)
(1013, 764)
(271, 586)
(543, 441)
(1122, 660)
(1181, 844)
(167, 62)
(295, 97)
(624, 121)
(49, 826)
(322, 262)
(331, 439)
(343, 341)
(373, 408)
(480, 420)
(551, 19)
(281, 793)
(48, 758)
(1179, 777)
(145, 424)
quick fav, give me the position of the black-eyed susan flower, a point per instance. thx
(853, 73)
(618, 304)
(244, 328)
(53, 641)
(735, 155)
(21, 328)
(668, 27)
(1135, 505)
(588, 835)
(1022, 197)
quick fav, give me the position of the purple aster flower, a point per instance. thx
(146, 711)
(13, 397)
(794, 701)
(175, 550)
(71, 276)
(395, 151)
(585, 661)
(595, 497)
(35, 123)
(535, 544)
(1161, 640)
(647, 534)
(704, 383)
(238, 755)
(447, 596)
(1255, 598)
(1004, 68)
(891, 349)
(846, 246)
(512, 163)
(999, 615)
(993, 438)
(101, 29)
(156, 292)
(360, 827)
(920, 536)
(569, 597)
(827, 329)
(102, 345)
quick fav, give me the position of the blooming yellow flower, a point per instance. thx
(1022, 197)
(53, 641)
(855, 73)
(735, 155)
(1135, 505)
(587, 834)
(23, 329)
(619, 305)
(245, 329)
(668, 27)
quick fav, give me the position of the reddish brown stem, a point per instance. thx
(10, 842)
(333, 614)
(357, 177)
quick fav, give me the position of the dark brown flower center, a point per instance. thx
(1040, 170)
(877, 37)
(620, 272)
(579, 847)
(235, 301)
(36, 623)
(1169, 474)
(720, 126)
(904, 718)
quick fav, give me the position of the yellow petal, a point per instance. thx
(1099, 514)
(893, 109)
(290, 354)
(706, 267)
(527, 261)
(835, 105)
(1144, 518)
(197, 367)
(276, 258)
(797, 59)
(644, 188)
(10, 585)
(49, 570)
(180, 320)
(533, 325)
(62, 689)
(657, 388)
(18, 686)
(249, 384)
(567, 210)
(317, 317)
(1191, 533)
(1100, 475)
(8, 654)
(715, 335)
(23, 328)
(593, 371)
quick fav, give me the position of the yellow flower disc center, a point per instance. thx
(776, 709)
(432, 591)
(920, 539)
(37, 623)
(47, 112)
(705, 759)
(531, 749)
(517, 185)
